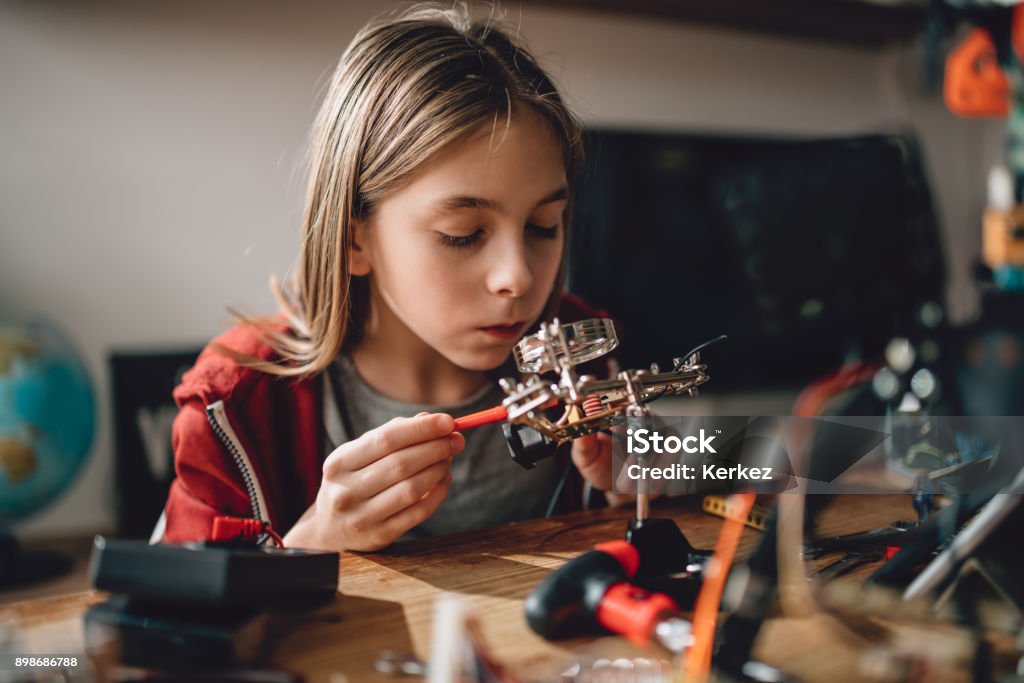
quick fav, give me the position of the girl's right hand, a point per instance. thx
(377, 487)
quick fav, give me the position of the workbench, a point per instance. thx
(386, 599)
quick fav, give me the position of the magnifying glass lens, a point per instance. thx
(586, 340)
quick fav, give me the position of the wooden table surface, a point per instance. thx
(387, 599)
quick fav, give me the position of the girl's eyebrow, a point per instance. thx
(456, 202)
(556, 196)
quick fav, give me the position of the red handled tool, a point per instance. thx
(597, 591)
(489, 416)
(484, 417)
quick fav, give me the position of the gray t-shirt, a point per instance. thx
(487, 487)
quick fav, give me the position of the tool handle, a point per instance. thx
(490, 416)
(484, 417)
(624, 552)
(633, 612)
(566, 602)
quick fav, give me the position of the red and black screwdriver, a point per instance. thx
(593, 592)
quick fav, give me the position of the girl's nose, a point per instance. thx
(510, 274)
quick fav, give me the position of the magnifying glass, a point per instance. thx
(538, 353)
(585, 339)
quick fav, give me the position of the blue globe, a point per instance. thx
(47, 416)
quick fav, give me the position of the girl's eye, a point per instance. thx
(548, 233)
(460, 241)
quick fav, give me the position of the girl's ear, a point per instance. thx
(358, 258)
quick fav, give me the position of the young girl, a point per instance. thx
(433, 239)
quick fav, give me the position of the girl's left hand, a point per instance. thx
(592, 455)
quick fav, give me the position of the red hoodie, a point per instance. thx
(250, 444)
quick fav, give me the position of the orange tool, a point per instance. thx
(484, 417)
(490, 416)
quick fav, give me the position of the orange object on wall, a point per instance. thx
(975, 84)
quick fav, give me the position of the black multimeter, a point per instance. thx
(196, 606)
(213, 573)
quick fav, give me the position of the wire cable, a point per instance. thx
(697, 349)
(558, 489)
(697, 663)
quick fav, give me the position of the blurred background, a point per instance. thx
(151, 174)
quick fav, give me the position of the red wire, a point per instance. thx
(231, 528)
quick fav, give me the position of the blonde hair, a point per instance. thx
(406, 87)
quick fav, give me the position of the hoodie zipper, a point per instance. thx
(218, 418)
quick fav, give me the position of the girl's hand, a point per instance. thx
(592, 455)
(377, 487)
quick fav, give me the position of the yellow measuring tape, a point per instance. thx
(719, 506)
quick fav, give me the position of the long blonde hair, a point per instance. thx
(406, 87)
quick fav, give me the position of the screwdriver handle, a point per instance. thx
(634, 612)
(490, 416)
(565, 603)
(484, 417)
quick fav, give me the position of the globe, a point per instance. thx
(47, 415)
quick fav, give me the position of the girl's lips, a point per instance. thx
(511, 331)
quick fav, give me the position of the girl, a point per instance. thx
(434, 238)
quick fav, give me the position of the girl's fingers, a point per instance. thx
(592, 451)
(585, 450)
(405, 493)
(388, 438)
(592, 456)
(458, 441)
(400, 522)
(404, 464)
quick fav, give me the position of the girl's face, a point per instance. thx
(463, 258)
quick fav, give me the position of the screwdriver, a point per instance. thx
(484, 417)
(592, 591)
(490, 416)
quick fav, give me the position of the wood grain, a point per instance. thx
(386, 599)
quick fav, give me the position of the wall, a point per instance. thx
(150, 155)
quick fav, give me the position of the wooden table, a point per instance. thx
(387, 599)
